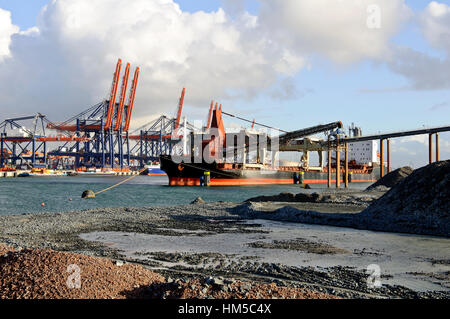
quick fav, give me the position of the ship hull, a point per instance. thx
(191, 175)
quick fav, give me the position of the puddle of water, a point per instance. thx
(396, 254)
(184, 231)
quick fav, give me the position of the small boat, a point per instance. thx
(39, 172)
(153, 169)
(97, 172)
(24, 174)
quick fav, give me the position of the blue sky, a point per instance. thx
(366, 93)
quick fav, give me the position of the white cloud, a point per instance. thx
(337, 29)
(423, 139)
(413, 150)
(7, 29)
(66, 63)
(425, 72)
(435, 22)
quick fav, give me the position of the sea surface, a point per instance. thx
(63, 193)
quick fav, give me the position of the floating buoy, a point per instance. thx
(88, 194)
(70, 199)
(42, 204)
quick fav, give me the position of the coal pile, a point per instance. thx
(391, 179)
(288, 197)
(417, 204)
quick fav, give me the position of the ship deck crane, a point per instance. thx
(180, 109)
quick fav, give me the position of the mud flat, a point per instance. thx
(216, 240)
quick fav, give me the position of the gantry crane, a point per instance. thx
(160, 136)
(106, 143)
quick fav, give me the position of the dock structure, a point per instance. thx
(299, 141)
(159, 137)
(23, 141)
(98, 138)
(387, 136)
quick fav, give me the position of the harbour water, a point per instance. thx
(60, 194)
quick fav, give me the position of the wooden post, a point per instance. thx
(338, 164)
(388, 150)
(329, 164)
(437, 147)
(381, 158)
(430, 148)
(346, 165)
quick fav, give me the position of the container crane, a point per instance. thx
(123, 93)
(112, 99)
(130, 104)
(103, 128)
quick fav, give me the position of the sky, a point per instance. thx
(381, 64)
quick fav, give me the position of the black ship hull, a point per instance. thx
(187, 174)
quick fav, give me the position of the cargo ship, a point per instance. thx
(225, 174)
(242, 169)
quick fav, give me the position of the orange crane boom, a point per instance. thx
(180, 108)
(123, 93)
(112, 99)
(131, 100)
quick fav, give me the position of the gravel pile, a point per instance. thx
(391, 179)
(5, 249)
(418, 204)
(45, 274)
(48, 274)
